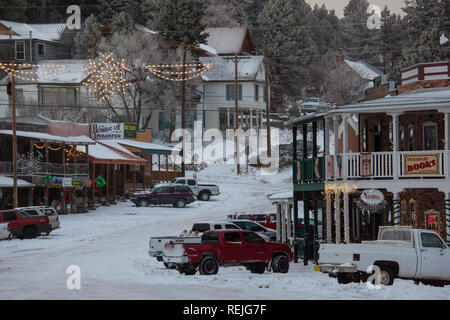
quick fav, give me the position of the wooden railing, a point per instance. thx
(58, 169)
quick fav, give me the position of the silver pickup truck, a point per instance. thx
(202, 191)
(156, 244)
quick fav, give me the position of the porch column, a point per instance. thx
(346, 219)
(289, 220)
(336, 146)
(326, 151)
(446, 152)
(345, 147)
(395, 145)
(396, 209)
(329, 220)
(228, 118)
(167, 168)
(337, 216)
(283, 223)
(251, 118)
(447, 215)
(278, 222)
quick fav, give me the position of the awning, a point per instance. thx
(102, 154)
(80, 140)
(141, 147)
(7, 182)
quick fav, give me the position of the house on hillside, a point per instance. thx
(32, 43)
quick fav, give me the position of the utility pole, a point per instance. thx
(269, 147)
(236, 106)
(183, 115)
(14, 139)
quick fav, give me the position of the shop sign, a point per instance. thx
(101, 131)
(423, 164)
(371, 200)
(366, 164)
(67, 182)
(129, 130)
(57, 181)
(77, 182)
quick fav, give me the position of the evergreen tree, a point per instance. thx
(16, 12)
(286, 42)
(179, 21)
(87, 40)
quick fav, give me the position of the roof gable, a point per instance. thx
(230, 40)
(46, 32)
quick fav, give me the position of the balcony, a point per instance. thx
(55, 169)
(387, 165)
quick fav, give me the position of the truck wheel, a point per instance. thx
(386, 276)
(144, 203)
(280, 264)
(209, 266)
(258, 268)
(29, 233)
(180, 203)
(344, 278)
(204, 196)
(188, 270)
(169, 266)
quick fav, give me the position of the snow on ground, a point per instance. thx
(110, 245)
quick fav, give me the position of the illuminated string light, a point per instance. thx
(30, 72)
(106, 76)
(166, 71)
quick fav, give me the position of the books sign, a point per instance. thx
(422, 164)
(107, 131)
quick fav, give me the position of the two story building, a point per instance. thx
(398, 171)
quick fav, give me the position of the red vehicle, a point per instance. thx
(24, 226)
(268, 220)
(228, 248)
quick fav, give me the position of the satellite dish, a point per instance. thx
(443, 39)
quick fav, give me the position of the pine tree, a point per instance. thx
(179, 21)
(286, 42)
(87, 40)
(17, 12)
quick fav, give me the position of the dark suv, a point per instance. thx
(178, 196)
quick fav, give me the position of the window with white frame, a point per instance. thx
(430, 136)
(20, 50)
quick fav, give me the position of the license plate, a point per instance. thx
(317, 268)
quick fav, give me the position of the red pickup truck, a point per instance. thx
(228, 248)
(23, 225)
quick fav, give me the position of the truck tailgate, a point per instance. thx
(337, 253)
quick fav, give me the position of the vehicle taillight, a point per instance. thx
(356, 257)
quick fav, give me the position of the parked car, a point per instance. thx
(314, 104)
(202, 191)
(266, 233)
(229, 248)
(25, 226)
(4, 232)
(399, 252)
(268, 220)
(178, 196)
(131, 192)
(156, 244)
(50, 212)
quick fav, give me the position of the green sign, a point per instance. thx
(129, 130)
(77, 182)
(48, 178)
(100, 182)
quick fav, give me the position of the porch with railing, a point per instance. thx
(387, 165)
(57, 169)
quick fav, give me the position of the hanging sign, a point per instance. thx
(423, 164)
(366, 164)
(129, 130)
(372, 200)
(67, 182)
(100, 182)
(77, 182)
(104, 131)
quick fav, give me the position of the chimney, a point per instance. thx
(340, 56)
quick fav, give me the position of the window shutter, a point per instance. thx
(256, 92)
(228, 92)
(265, 94)
(240, 92)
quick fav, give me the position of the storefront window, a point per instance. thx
(412, 211)
(430, 136)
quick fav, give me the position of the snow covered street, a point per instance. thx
(110, 245)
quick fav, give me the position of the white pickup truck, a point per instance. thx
(4, 232)
(399, 252)
(202, 191)
(157, 244)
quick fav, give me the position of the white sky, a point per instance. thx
(339, 5)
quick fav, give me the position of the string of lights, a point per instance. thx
(17, 70)
(161, 71)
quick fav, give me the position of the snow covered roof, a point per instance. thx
(51, 138)
(365, 70)
(226, 40)
(287, 195)
(6, 182)
(222, 69)
(46, 32)
(146, 147)
(100, 153)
